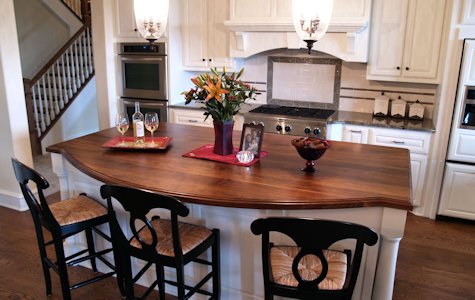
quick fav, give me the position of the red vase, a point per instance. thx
(223, 137)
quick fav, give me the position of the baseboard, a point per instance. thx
(13, 200)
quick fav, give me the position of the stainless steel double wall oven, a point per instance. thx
(144, 78)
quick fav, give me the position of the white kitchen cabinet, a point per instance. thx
(355, 134)
(125, 27)
(457, 198)
(418, 175)
(205, 39)
(195, 117)
(406, 40)
(189, 117)
(468, 16)
(415, 141)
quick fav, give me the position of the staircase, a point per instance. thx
(50, 92)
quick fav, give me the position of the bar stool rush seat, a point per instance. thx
(309, 270)
(165, 243)
(63, 219)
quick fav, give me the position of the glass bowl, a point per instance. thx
(310, 149)
(245, 156)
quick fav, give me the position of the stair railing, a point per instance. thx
(79, 7)
(58, 83)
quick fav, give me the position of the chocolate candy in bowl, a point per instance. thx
(310, 149)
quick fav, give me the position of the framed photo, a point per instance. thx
(251, 139)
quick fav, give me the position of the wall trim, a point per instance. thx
(11, 200)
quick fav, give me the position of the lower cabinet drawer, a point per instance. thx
(416, 142)
(189, 117)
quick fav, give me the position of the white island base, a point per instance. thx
(241, 269)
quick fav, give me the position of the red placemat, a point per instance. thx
(206, 152)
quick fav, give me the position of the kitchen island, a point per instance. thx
(364, 184)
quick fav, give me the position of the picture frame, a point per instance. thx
(251, 138)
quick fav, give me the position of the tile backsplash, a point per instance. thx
(356, 93)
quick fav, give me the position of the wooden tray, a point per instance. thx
(128, 143)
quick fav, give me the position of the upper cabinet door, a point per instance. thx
(387, 37)
(125, 26)
(406, 40)
(423, 38)
(218, 35)
(194, 31)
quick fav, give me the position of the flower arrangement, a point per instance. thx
(222, 93)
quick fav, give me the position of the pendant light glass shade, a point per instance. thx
(151, 18)
(311, 19)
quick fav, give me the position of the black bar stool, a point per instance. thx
(63, 219)
(165, 243)
(309, 270)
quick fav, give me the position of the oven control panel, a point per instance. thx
(291, 127)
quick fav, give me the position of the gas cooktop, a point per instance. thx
(290, 120)
(291, 111)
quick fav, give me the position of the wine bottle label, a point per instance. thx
(138, 128)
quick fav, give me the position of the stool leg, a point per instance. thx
(216, 266)
(161, 280)
(180, 280)
(62, 269)
(43, 256)
(91, 248)
(127, 275)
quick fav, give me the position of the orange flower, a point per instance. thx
(197, 82)
(214, 90)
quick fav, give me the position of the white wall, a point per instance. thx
(40, 34)
(14, 132)
(80, 118)
(105, 60)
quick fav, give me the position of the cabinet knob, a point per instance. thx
(407, 68)
(398, 68)
(210, 59)
(204, 59)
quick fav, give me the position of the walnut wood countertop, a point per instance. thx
(351, 175)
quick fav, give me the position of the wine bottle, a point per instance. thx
(138, 124)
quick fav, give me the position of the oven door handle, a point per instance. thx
(157, 103)
(141, 59)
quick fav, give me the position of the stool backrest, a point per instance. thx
(139, 203)
(313, 236)
(38, 207)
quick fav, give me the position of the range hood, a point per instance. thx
(271, 28)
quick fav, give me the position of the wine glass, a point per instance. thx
(151, 123)
(122, 124)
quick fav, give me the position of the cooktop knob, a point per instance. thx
(288, 128)
(278, 128)
(253, 123)
(261, 123)
(307, 130)
(317, 131)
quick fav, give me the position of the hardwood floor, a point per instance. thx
(436, 261)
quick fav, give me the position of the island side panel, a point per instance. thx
(241, 268)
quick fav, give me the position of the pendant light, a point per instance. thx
(311, 19)
(151, 18)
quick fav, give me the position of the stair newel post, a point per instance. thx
(85, 11)
(32, 117)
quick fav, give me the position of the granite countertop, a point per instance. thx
(345, 117)
(367, 119)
